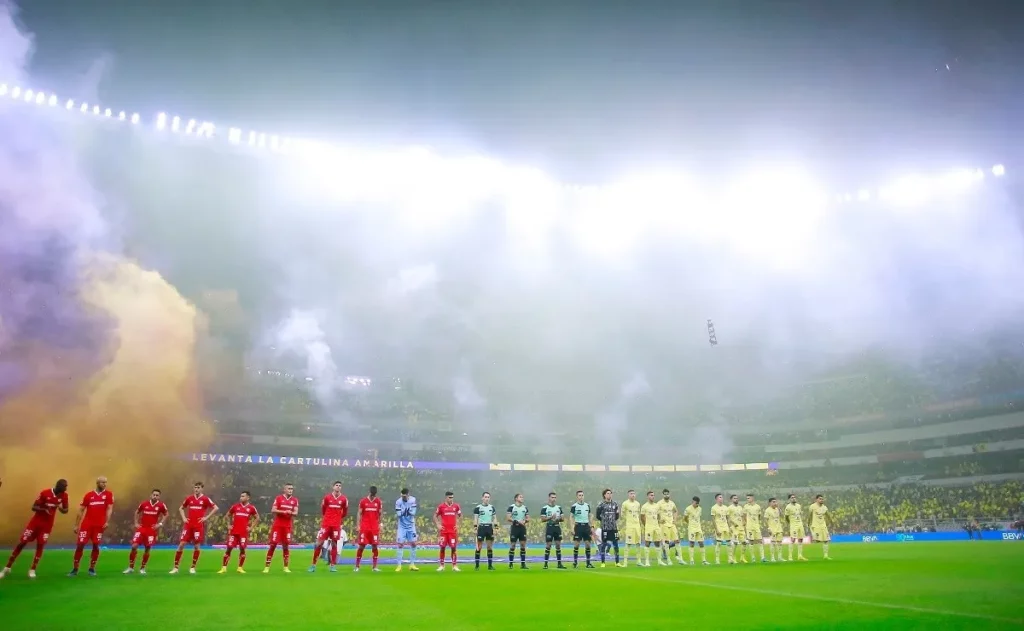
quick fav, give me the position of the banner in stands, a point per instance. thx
(954, 535)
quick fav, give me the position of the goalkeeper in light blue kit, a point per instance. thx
(405, 511)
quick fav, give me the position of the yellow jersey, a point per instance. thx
(773, 517)
(818, 515)
(720, 515)
(650, 512)
(631, 513)
(667, 512)
(735, 512)
(794, 514)
(693, 515)
(753, 513)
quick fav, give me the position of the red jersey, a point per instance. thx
(95, 504)
(449, 514)
(284, 520)
(241, 518)
(151, 513)
(49, 501)
(334, 510)
(196, 508)
(370, 508)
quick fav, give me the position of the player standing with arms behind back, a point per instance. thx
(405, 510)
(693, 514)
(773, 519)
(333, 510)
(518, 516)
(284, 509)
(551, 515)
(752, 526)
(631, 512)
(446, 519)
(242, 516)
(39, 527)
(819, 525)
(93, 517)
(149, 519)
(195, 510)
(720, 518)
(370, 509)
(608, 515)
(794, 516)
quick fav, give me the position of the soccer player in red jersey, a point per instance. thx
(149, 519)
(285, 508)
(38, 529)
(243, 517)
(370, 508)
(195, 511)
(93, 516)
(334, 508)
(446, 518)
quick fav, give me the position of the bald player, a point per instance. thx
(93, 516)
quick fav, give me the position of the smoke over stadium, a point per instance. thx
(97, 371)
(537, 253)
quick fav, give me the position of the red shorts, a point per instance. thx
(36, 532)
(193, 533)
(369, 537)
(329, 532)
(144, 537)
(90, 534)
(448, 538)
(236, 540)
(280, 534)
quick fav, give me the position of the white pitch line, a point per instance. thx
(828, 599)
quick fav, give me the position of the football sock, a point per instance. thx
(824, 548)
(131, 557)
(586, 553)
(270, 553)
(547, 554)
(227, 557)
(691, 555)
(477, 558)
(511, 554)
(177, 557)
(94, 556)
(195, 558)
(376, 553)
(490, 557)
(615, 545)
(334, 555)
(285, 553)
(760, 549)
(14, 554)
(412, 556)
(522, 553)
(359, 554)
(400, 555)
(241, 556)
(39, 554)
(442, 555)
(79, 551)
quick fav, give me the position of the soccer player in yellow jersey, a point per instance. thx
(649, 514)
(819, 524)
(737, 536)
(694, 530)
(631, 530)
(667, 524)
(795, 518)
(773, 519)
(752, 527)
(720, 518)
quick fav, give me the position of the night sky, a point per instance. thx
(579, 88)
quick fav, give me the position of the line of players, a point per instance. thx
(648, 525)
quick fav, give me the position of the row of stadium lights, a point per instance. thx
(236, 136)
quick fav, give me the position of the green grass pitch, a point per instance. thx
(883, 586)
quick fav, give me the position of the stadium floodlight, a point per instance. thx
(135, 119)
(998, 170)
(15, 92)
(121, 115)
(161, 121)
(176, 123)
(863, 195)
(29, 96)
(108, 113)
(85, 108)
(53, 100)
(234, 135)
(190, 126)
(3, 89)
(96, 110)
(70, 104)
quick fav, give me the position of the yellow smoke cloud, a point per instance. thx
(125, 418)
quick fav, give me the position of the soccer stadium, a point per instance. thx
(261, 380)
